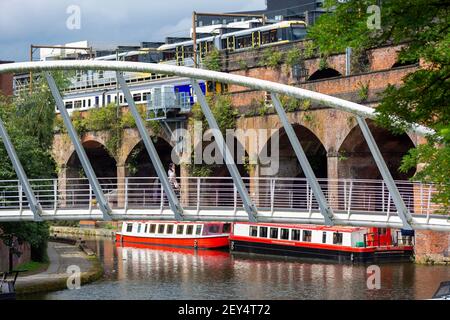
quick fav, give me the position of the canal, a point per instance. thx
(144, 272)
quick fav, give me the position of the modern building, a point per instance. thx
(308, 10)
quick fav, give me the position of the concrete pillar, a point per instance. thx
(186, 185)
(254, 188)
(121, 179)
(62, 186)
(332, 174)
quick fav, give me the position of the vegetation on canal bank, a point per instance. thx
(421, 27)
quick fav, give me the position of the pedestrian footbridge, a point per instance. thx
(385, 203)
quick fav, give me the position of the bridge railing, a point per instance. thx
(269, 194)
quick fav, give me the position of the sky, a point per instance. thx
(26, 22)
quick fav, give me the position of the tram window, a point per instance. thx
(145, 228)
(253, 231)
(307, 235)
(198, 231)
(180, 229)
(108, 99)
(137, 97)
(129, 227)
(89, 102)
(169, 229)
(78, 104)
(263, 232)
(298, 33)
(284, 234)
(84, 103)
(274, 233)
(295, 235)
(97, 101)
(324, 237)
(152, 228)
(161, 228)
(337, 238)
(69, 105)
(190, 229)
(139, 228)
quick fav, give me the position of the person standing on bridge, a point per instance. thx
(173, 178)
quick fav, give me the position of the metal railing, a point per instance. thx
(270, 195)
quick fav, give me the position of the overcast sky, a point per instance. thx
(25, 22)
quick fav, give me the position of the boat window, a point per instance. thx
(152, 228)
(226, 228)
(169, 229)
(146, 227)
(284, 234)
(180, 229)
(324, 237)
(295, 235)
(139, 228)
(337, 238)
(263, 232)
(129, 227)
(307, 235)
(274, 233)
(213, 229)
(190, 229)
(253, 231)
(161, 228)
(199, 229)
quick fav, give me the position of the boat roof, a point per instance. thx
(306, 226)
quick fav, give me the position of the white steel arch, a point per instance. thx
(361, 112)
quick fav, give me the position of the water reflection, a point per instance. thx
(155, 272)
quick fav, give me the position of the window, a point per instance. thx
(129, 227)
(307, 235)
(213, 229)
(139, 228)
(137, 97)
(226, 228)
(69, 105)
(108, 99)
(190, 229)
(274, 233)
(152, 228)
(180, 229)
(84, 103)
(253, 231)
(284, 234)
(89, 102)
(198, 231)
(161, 228)
(78, 104)
(263, 232)
(324, 237)
(337, 238)
(295, 235)
(145, 229)
(169, 229)
(97, 101)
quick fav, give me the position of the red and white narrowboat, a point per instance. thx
(201, 235)
(342, 244)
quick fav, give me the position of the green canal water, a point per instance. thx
(164, 273)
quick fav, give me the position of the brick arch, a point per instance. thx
(336, 62)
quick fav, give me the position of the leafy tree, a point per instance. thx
(421, 27)
(29, 120)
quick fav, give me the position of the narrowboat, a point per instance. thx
(351, 244)
(198, 235)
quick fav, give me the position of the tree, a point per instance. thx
(29, 120)
(422, 28)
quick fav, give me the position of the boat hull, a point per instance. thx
(210, 242)
(366, 255)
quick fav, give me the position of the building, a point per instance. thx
(308, 10)
(6, 82)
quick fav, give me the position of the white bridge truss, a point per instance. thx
(385, 203)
